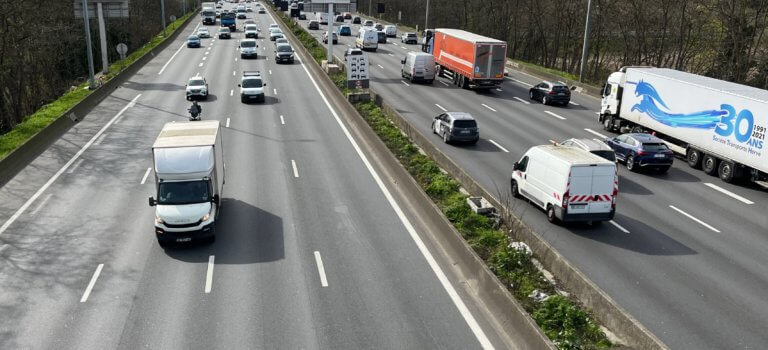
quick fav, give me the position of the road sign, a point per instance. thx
(122, 49)
(173, 18)
(357, 71)
(110, 8)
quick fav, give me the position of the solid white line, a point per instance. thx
(695, 219)
(74, 167)
(619, 226)
(92, 283)
(101, 139)
(574, 103)
(227, 123)
(275, 91)
(441, 107)
(595, 133)
(462, 308)
(444, 83)
(146, 174)
(65, 167)
(487, 106)
(231, 92)
(499, 146)
(321, 269)
(406, 84)
(380, 66)
(42, 204)
(235, 59)
(295, 170)
(282, 121)
(520, 82)
(728, 193)
(521, 100)
(390, 54)
(169, 60)
(554, 115)
(499, 89)
(200, 65)
(209, 275)
(234, 72)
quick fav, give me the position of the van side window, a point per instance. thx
(522, 164)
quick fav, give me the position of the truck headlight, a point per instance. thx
(159, 220)
(205, 217)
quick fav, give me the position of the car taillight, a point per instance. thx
(551, 92)
(640, 153)
(566, 199)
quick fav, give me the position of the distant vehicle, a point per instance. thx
(722, 125)
(189, 179)
(381, 37)
(302, 16)
(273, 25)
(367, 39)
(301, 5)
(322, 17)
(347, 15)
(262, 10)
(568, 183)
(284, 53)
(251, 31)
(335, 38)
(225, 33)
(193, 41)
(418, 66)
(550, 93)
(208, 13)
(475, 61)
(594, 146)
(391, 30)
(313, 25)
(378, 26)
(345, 30)
(368, 23)
(218, 14)
(352, 51)
(203, 32)
(456, 126)
(218, 5)
(242, 15)
(251, 87)
(248, 48)
(279, 41)
(409, 38)
(228, 20)
(642, 151)
(275, 33)
(339, 19)
(356, 20)
(248, 9)
(197, 87)
(249, 21)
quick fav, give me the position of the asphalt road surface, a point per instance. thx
(685, 253)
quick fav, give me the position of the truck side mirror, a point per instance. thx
(238, 85)
(152, 201)
(402, 61)
(516, 166)
(216, 199)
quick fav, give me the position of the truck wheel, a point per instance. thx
(709, 164)
(631, 164)
(551, 214)
(637, 129)
(607, 123)
(725, 171)
(693, 157)
(514, 189)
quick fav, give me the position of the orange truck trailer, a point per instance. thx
(474, 61)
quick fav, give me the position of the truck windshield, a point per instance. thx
(183, 192)
(227, 15)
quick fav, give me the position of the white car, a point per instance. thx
(248, 48)
(197, 87)
(251, 87)
(203, 33)
(275, 33)
(274, 25)
(368, 23)
(251, 31)
(279, 41)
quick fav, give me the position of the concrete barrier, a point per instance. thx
(585, 89)
(519, 329)
(19, 158)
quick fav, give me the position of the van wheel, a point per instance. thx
(725, 171)
(709, 164)
(694, 158)
(631, 164)
(551, 214)
(514, 189)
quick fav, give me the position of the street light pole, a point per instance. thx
(426, 18)
(370, 13)
(585, 46)
(162, 13)
(91, 83)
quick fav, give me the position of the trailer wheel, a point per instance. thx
(709, 164)
(638, 129)
(693, 157)
(726, 171)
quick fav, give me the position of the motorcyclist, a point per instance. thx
(195, 110)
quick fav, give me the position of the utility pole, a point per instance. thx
(426, 18)
(585, 46)
(370, 13)
(330, 33)
(91, 84)
(162, 13)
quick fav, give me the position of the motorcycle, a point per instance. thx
(194, 114)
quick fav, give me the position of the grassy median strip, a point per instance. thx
(561, 318)
(46, 114)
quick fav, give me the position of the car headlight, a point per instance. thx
(206, 217)
(159, 220)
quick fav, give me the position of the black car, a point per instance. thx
(313, 25)
(302, 16)
(283, 53)
(548, 93)
(356, 20)
(382, 37)
(642, 151)
(225, 33)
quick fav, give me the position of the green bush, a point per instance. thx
(569, 326)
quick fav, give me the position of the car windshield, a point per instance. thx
(654, 147)
(183, 192)
(411, 35)
(192, 37)
(284, 48)
(560, 88)
(224, 30)
(203, 30)
(196, 82)
(248, 43)
(464, 123)
(610, 155)
(252, 83)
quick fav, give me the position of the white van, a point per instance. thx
(367, 39)
(570, 184)
(418, 66)
(391, 30)
(322, 17)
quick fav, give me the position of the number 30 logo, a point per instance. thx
(731, 122)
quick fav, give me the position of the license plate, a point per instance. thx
(465, 131)
(660, 155)
(560, 94)
(185, 239)
(253, 96)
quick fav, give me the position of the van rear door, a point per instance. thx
(590, 189)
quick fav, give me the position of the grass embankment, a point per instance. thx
(45, 115)
(562, 319)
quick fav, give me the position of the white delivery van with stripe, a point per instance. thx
(570, 184)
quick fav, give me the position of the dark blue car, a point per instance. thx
(193, 41)
(642, 151)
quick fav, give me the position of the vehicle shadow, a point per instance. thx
(677, 175)
(642, 238)
(482, 145)
(211, 98)
(244, 235)
(628, 186)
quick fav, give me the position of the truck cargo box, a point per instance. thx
(478, 59)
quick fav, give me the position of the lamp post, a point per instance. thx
(585, 46)
(91, 82)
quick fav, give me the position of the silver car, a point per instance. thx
(594, 146)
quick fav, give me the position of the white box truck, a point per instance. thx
(569, 183)
(721, 125)
(189, 179)
(208, 12)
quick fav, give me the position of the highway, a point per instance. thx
(311, 252)
(685, 252)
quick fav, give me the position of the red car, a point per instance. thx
(347, 15)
